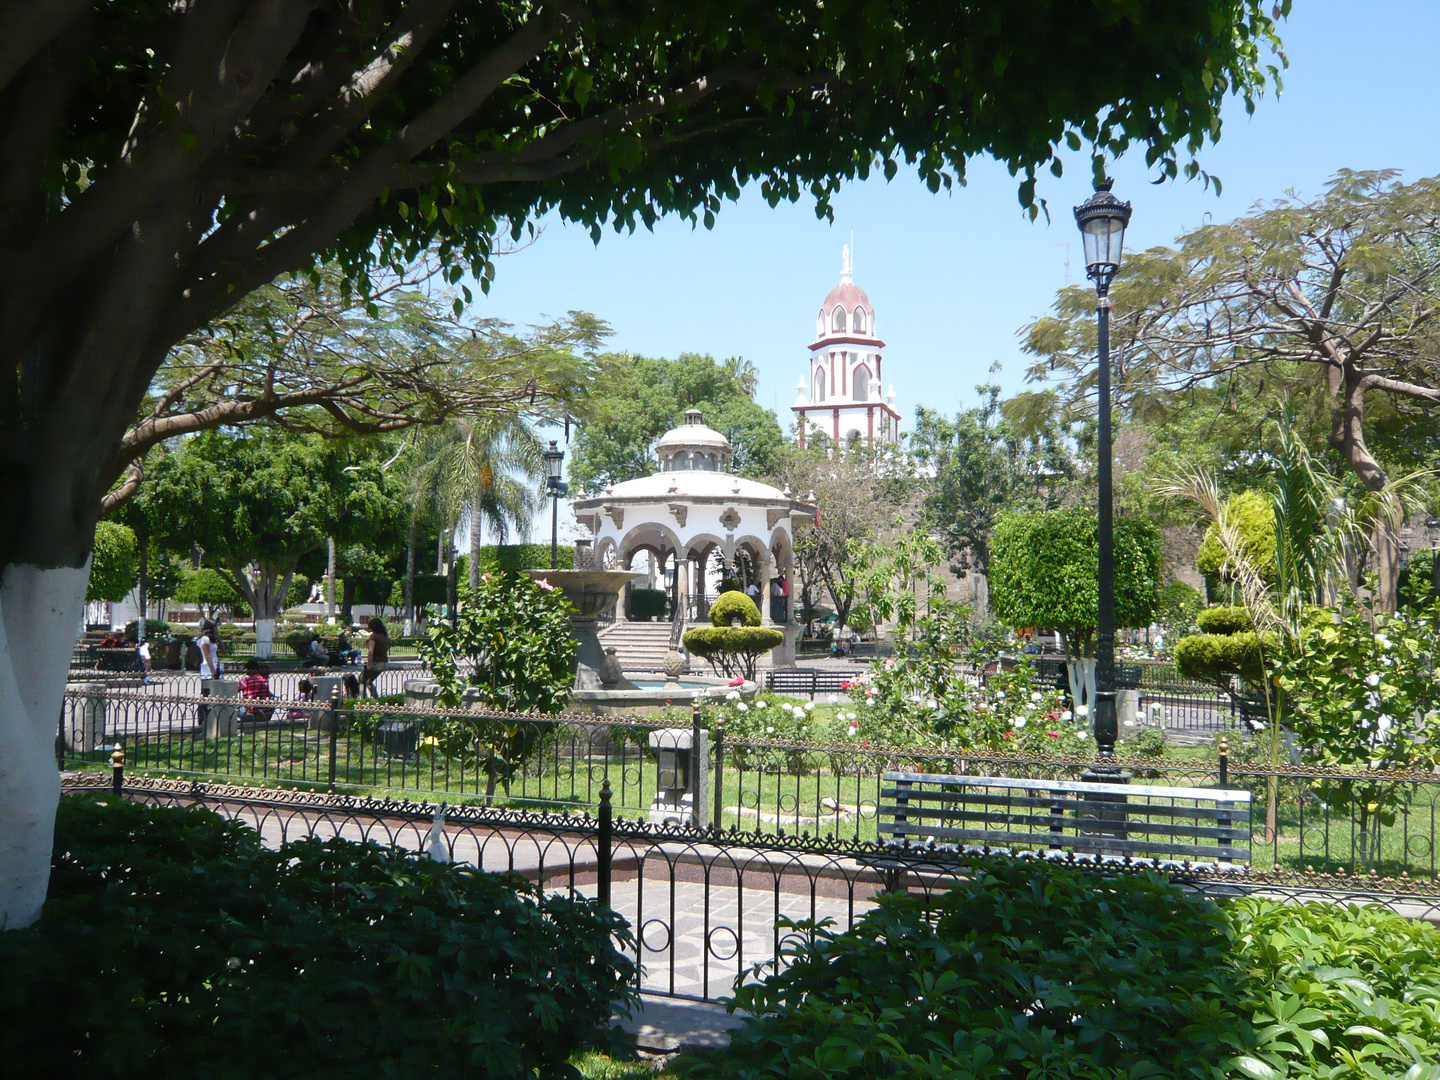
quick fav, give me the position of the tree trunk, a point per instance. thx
(1349, 437)
(330, 581)
(39, 611)
(347, 600)
(475, 531)
(410, 577)
(1080, 671)
(142, 588)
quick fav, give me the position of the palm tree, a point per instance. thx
(745, 373)
(491, 468)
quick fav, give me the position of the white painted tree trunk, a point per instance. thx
(264, 634)
(39, 610)
(1080, 670)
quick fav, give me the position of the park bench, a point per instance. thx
(810, 681)
(923, 813)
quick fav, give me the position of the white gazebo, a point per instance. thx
(693, 518)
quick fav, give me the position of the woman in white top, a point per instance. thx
(209, 651)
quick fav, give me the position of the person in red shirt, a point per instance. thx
(255, 684)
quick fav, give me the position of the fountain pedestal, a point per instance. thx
(592, 595)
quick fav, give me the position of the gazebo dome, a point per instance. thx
(694, 447)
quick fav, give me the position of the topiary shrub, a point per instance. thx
(1028, 970)
(733, 605)
(732, 651)
(1252, 515)
(174, 945)
(1223, 619)
(647, 603)
(1214, 657)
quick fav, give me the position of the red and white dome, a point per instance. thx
(846, 309)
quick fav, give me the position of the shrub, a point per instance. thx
(322, 959)
(155, 629)
(1027, 970)
(1223, 619)
(1252, 513)
(1213, 657)
(732, 650)
(112, 567)
(647, 603)
(299, 591)
(731, 605)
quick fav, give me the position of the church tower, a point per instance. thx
(842, 395)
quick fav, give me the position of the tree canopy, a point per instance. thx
(636, 399)
(112, 573)
(255, 504)
(992, 458)
(1334, 300)
(163, 160)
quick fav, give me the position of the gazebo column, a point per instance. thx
(767, 575)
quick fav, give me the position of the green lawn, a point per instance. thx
(774, 790)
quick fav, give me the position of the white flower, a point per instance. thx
(930, 703)
(733, 695)
(1036, 696)
(1021, 721)
(808, 706)
(1372, 679)
(1382, 641)
(785, 706)
(742, 706)
(1065, 715)
(760, 705)
(850, 731)
(1082, 734)
(769, 731)
(1082, 711)
(1000, 695)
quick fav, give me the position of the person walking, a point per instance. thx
(377, 658)
(209, 646)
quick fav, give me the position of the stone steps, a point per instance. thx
(640, 646)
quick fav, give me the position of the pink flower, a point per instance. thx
(545, 585)
(737, 681)
(844, 684)
(1053, 734)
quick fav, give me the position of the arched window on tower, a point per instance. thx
(859, 322)
(837, 320)
(819, 394)
(820, 324)
(860, 383)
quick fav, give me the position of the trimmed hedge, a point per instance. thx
(732, 650)
(174, 945)
(1224, 620)
(1212, 657)
(647, 603)
(731, 605)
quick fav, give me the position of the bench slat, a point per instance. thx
(1103, 844)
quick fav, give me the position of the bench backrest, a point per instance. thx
(1173, 824)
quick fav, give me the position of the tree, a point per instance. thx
(207, 590)
(858, 494)
(255, 504)
(491, 468)
(635, 399)
(308, 353)
(162, 160)
(1044, 571)
(1337, 295)
(985, 464)
(512, 646)
(112, 573)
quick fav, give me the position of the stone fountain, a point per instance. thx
(592, 595)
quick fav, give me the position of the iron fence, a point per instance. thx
(709, 908)
(1332, 820)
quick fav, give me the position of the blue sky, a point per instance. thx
(954, 276)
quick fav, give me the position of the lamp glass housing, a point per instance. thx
(553, 457)
(1102, 219)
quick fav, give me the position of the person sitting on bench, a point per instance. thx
(319, 655)
(255, 684)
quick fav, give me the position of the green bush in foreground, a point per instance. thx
(175, 945)
(1034, 971)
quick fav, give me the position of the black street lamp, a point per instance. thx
(557, 489)
(1102, 219)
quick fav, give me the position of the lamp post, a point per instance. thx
(1102, 219)
(557, 489)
